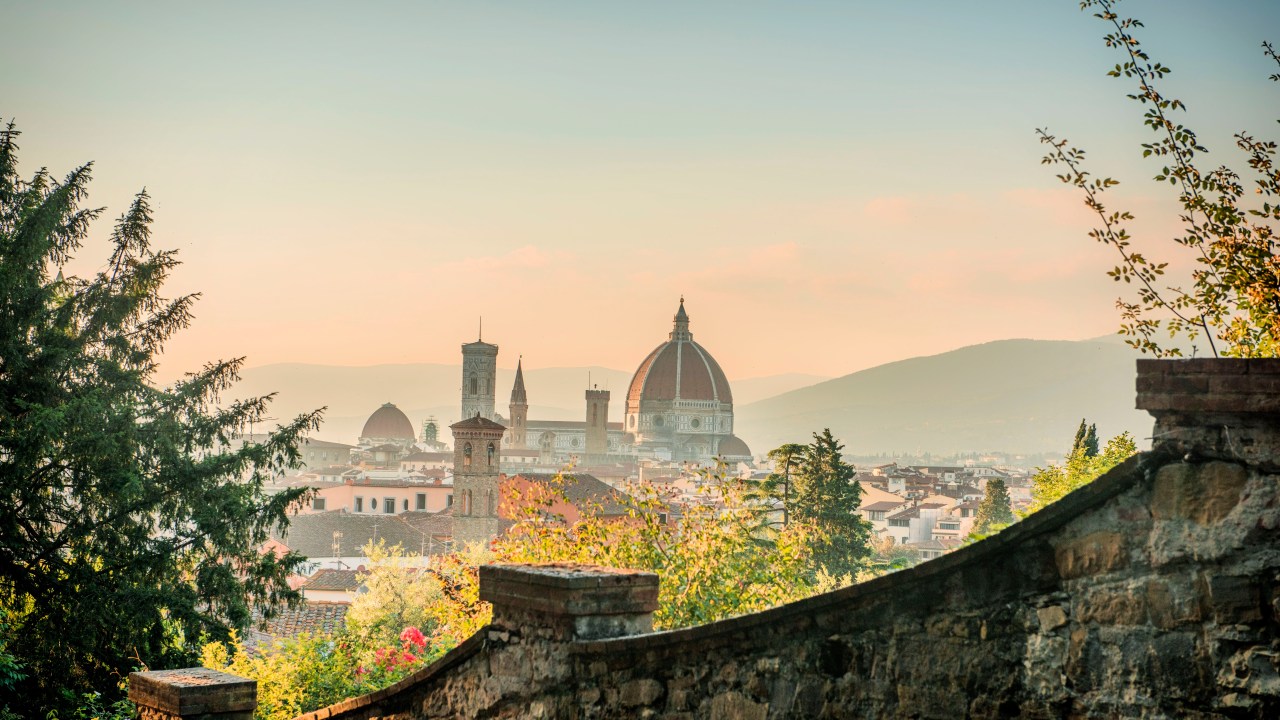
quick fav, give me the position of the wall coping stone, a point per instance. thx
(1214, 408)
(568, 589)
(193, 691)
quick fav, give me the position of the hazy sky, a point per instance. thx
(830, 185)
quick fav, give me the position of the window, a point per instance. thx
(389, 506)
(448, 500)
(359, 504)
(900, 523)
(875, 514)
(422, 501)
(695, 423)
(657, 422)
(317, 503)
(492, 452)
(405, 507)
(475, 388)
(948, 526)
(466, 455)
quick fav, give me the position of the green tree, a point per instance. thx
(1232, 293)
(776, 488)
(710, 560)
(1079, 468)
(995, 511)
(131, 527)
(827, 496)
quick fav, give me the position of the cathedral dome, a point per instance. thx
(679, 369)
(389, 423)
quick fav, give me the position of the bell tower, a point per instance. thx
(477, 451)
(597, 424)
(479, 374)
(516, 435)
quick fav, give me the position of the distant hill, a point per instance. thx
(1013, 395)
(423, 389)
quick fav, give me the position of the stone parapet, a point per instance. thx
(1214, 408)
(577, 602)
(193, 694)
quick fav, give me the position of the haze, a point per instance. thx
(830, 185)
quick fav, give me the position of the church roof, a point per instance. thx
(733, 446)
(517, 390)
(477, 423)
(679, 369)
(388, 422)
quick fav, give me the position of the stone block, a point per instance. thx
(1093, 554)
(1202, 493)
(1052, 617)
(637, 693)
(193, 692)
(736, 706)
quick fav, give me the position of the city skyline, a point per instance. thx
(359, 185)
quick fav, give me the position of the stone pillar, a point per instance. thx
(567, 602)
(193, 694)
(1214, 408)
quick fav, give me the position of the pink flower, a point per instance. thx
(413, 636)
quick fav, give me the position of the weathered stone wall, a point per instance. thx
(1153, 592)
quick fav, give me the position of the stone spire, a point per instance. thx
(517, 391)
(516, 437)
(681, 330)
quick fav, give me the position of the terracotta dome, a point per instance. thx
(679, 369)
(389, 423)
(734, 447)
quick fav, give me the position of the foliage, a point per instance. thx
(128, 517)
(1234, 291)
(1079, 468)
(887, 555)
(441, 598)
(995, 511)
(826, 495)
(710, 559)
(294, 676)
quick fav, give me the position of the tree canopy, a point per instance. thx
(133, 519)
(826, 495)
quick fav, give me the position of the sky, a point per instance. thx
(830, 185)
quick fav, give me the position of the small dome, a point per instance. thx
(388, 422)
(679, 369)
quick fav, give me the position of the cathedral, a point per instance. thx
(678, 408)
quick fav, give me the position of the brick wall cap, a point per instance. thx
(193, 691)
(1209, 386)
(566, 576)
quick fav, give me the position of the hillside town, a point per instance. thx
(417, 491)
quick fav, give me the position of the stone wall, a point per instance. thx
(1153, 592)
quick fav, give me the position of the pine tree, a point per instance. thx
(827, 495)
(995, 511)
(132, 526)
